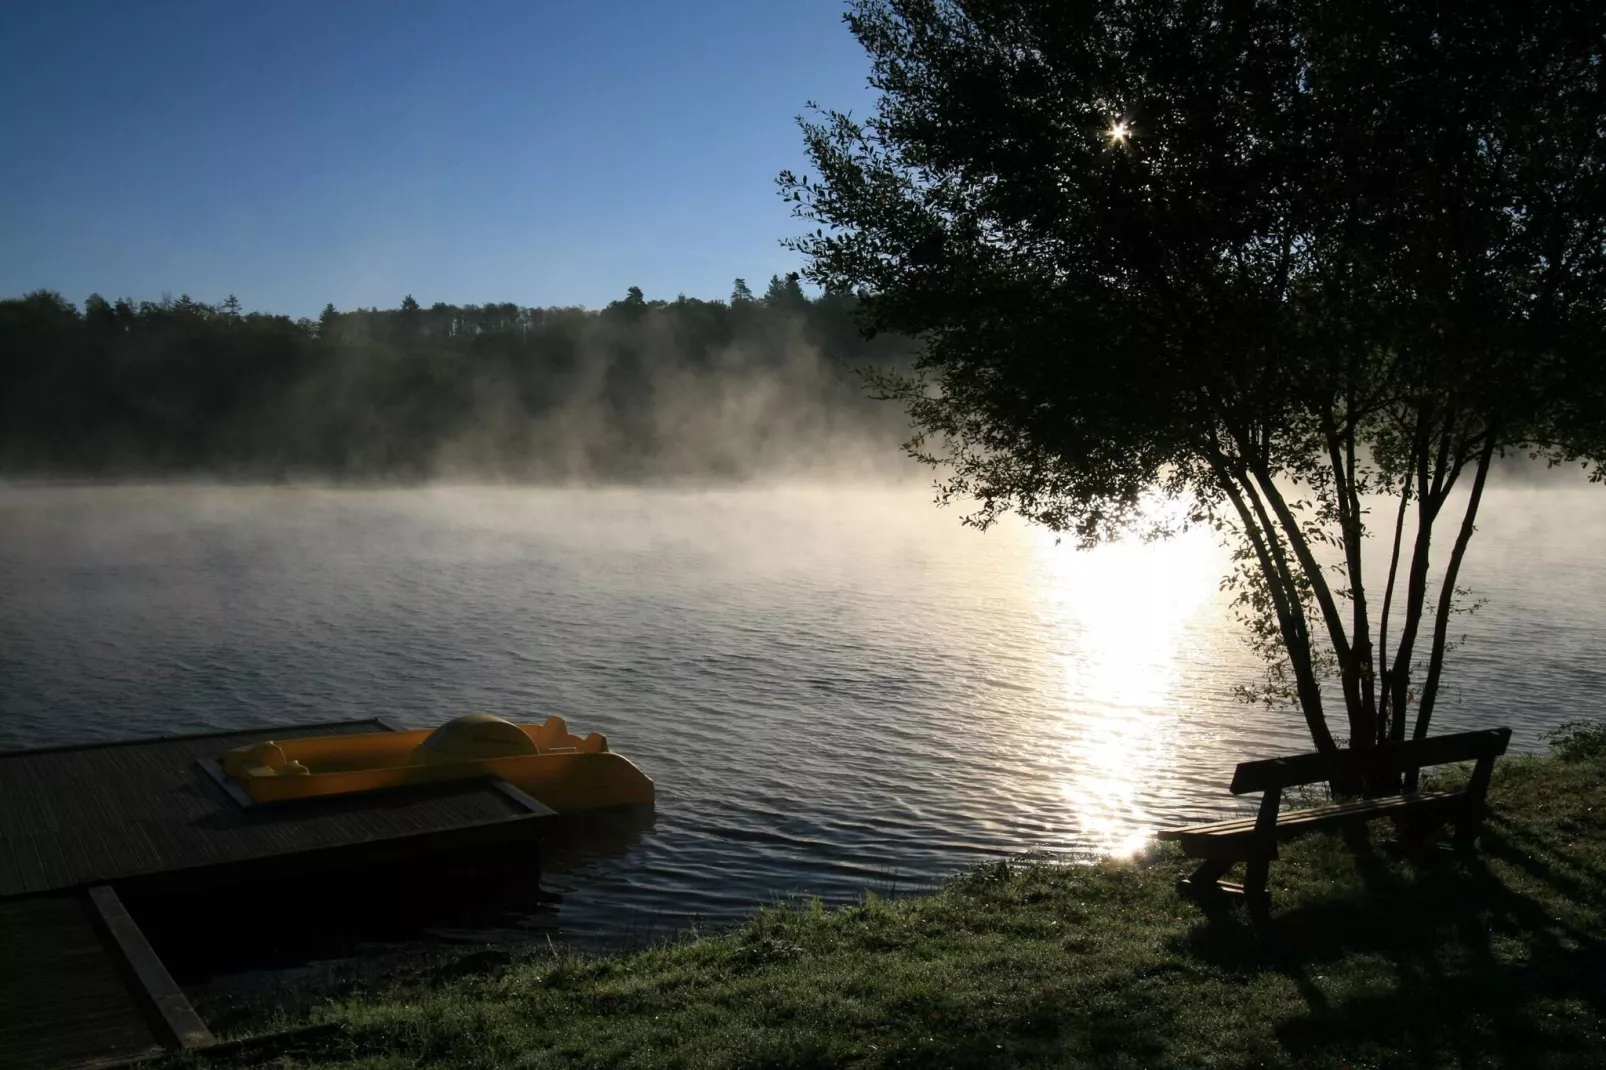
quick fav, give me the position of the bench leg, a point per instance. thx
(1205, 877)
(1467, 826)
(1256, 870)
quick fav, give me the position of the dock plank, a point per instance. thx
(375, 824)
(53, 860)
(29, 867)
(11, 882)
(30, 806)
(75, 843)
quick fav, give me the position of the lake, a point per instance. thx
(835, 688)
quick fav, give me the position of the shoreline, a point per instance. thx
(1367, 959)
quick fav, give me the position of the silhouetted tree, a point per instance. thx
(181, 386)
(785, 292)
(99, 314)
(1266, 259)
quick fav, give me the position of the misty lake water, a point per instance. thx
(835, 690)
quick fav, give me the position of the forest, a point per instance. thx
(642, 390)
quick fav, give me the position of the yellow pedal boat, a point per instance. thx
(545, 761)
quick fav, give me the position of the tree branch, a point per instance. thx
(1285, 598)
(1388, 598)
(1308, 563)
(1441, 622)
(1356, 670)
(1427, 509)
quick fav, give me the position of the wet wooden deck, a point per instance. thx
(79, 985)
(147, 811)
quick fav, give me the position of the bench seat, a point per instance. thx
(1253, 840)
(1291, 823)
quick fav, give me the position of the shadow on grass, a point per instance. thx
(1570, 874)
(1507, 1011)
(1438, 957)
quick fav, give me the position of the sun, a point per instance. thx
(1120, 131)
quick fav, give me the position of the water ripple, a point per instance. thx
(834, 690)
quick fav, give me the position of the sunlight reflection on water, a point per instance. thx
(1118, 616)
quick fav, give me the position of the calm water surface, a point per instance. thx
(835, 690)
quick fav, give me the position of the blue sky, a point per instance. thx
(295, 153)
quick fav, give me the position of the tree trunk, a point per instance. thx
(1263, 538)
(1441, 621)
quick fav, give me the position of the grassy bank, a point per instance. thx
(1365, 961)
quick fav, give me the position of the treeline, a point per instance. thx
(642, 389)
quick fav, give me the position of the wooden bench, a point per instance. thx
(1417, 814)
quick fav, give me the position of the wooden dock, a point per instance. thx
(79, 986)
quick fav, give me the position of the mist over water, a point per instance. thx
(642, 391)
(836, 687)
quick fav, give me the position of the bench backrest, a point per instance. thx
(1384, 759)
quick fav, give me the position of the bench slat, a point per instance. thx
(1315, 815)
(1412, 754)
